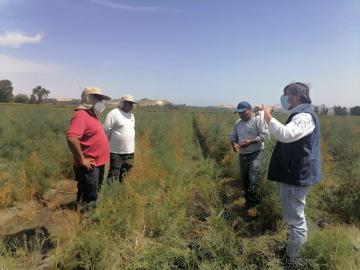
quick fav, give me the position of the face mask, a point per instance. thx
(285, 102)
(99, 107)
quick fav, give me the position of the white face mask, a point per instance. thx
(285, 102)
(99, 107)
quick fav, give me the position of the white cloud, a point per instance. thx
(16, 39)
(117, 4)
(15, 66)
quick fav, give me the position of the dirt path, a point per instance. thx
(40, 212)
(27, 224)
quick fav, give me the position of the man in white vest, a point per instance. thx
(119, 127)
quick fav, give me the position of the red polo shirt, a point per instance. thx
(85, 126)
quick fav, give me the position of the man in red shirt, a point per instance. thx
(88, 143)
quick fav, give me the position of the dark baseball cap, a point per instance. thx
(242, 106)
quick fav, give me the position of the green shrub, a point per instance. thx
(341, 194)
(334, 248)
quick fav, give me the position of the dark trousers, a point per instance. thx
(250, 175)
(89, 183)
(120, 165)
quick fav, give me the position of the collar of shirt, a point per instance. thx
(299, 107)
(89, 111)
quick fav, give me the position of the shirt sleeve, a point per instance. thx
(262, 129)
(233, 137)
(76, 126)
(108, 124)
(300, 126)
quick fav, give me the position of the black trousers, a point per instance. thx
(120, 165)
(89, 183)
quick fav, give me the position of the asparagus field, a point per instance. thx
(177, 207)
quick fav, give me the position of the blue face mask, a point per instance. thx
(284, 102)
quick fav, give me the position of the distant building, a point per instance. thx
(226, 106)
(63, 99)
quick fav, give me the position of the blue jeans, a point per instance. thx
(251, 166)
(293, 201)
(89, 183)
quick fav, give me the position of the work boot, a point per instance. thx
(251, 212)
(239, 204)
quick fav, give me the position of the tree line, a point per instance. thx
(39, 94)
(337, 110)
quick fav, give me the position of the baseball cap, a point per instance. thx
(242, 106)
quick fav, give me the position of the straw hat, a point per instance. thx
(85, 97)
(127, 98)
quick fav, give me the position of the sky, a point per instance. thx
(194, 52)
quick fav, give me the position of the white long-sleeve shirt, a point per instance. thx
(119, 126)
(300, 126)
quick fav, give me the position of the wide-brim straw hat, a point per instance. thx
(127, 98)
(95, 91)
(85, 100)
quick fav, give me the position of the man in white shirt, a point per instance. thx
(295, 162)
(119, 127)
(247, 138)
